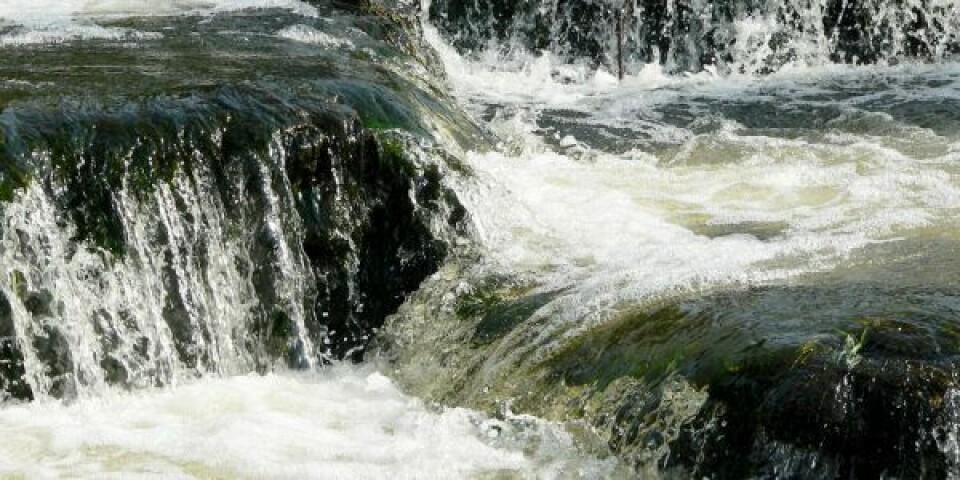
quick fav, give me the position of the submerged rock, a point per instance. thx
(849, 379)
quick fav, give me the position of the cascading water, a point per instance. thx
(195, 191)
(737, 261)
(730, 36)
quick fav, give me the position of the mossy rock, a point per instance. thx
(762, 381)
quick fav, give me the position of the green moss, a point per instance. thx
(486, 295)
(638, 344)
(496, 308)
(10, 182)
(807, 351)
(654, 344)
(13, 176)
(392, 147)
(279, 331)
(18, 284)
(393, 155)
(361, 55)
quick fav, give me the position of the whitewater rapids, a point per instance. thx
(343, 422)
(601, 188)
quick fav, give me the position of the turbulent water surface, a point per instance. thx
(739, 267)
(341, 423)
(738, 260)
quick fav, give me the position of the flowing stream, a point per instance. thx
(770, 183)
(725, 261)
(663, 182)
(138, 366)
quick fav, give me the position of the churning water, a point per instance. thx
(117, 391)
(698, 211)
(629, 190)
(343, 422)
(665, 182)
(737, 155)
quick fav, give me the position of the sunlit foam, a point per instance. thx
(345, 422)
(310, 35)
(73, 32)
(722, 206)
(48, 11)
(640, 217)
(47, 21)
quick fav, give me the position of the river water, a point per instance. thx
(616, 193)
(343, 421)
(683, 220)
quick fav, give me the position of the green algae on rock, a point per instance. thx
(854, 378)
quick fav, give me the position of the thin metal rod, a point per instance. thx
(626, 10)
(620, 19)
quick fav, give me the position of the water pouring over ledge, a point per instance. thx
(681, 267)
(201, 190)
(734, 268)
(729, 36)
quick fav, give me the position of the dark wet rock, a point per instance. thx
(567, 27)
(843, 379)
(855, 379)
(761, 230)
(40, 303)
(499, 314)
(52, 347)
(13, 381)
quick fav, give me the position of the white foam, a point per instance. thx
(74, 32)
(626, 226)
(344, 422)
(520, 77)
(310, 35)
(34, 12)
(56, 21)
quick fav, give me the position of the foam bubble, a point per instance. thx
(38, 12)
(543, 79)
(725, 206)
(73, 32)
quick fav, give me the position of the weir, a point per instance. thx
(671, 238)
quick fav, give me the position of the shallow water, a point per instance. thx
(46, 22)
(89, 323)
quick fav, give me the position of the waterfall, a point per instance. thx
(731, 36)
(137, 252)
(592, 238)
